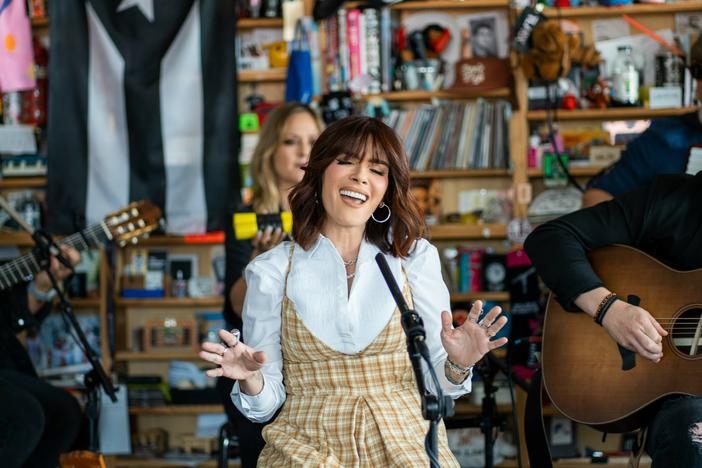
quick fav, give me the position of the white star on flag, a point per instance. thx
(146, 7)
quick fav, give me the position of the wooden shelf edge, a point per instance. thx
(215, 301)
(459, 231)
(442, 94)
(272, 74)
(22, 182)
(40, 22)
(441, 5)
(125, 356)
(613, 113)
(502, 296)
(459, 173)
(176, 409)
(251, 23)
(633, 9)
(574, 171)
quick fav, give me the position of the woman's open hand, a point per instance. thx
(468, 343)
(235, 360)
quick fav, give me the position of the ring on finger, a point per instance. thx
(237, 336)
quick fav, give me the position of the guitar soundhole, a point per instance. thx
(686, 332)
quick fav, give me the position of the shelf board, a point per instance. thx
(251, 23)
(22, 182)
(177, 409)
(85, 303)
(633, 9)
(156, 356)
(443, 94)
(612, 113)
(459, 173)
(459, 231)
(256, 76)
(159, 240)
(574, 171)
(122, 461)
(500, 296)
(20, 239)
(441, 5)
(216, 301)
(40, 22)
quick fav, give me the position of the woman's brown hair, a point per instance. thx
(351, 137)
(266, 197)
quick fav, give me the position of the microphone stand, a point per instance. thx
(434, 407)
(44, 249)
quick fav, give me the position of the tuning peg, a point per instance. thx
(122, 243)
(141, 223)
(134, 240)
(135, 212)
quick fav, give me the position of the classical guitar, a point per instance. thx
(125, 225)
(592, 380)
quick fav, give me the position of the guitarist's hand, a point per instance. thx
(635, 329)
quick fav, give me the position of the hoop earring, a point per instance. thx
(382, 205)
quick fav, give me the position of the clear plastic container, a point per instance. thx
(625, 78)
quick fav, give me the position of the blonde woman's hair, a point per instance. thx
(266, 195)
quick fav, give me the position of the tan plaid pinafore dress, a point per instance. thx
(359, 410)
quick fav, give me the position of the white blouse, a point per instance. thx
(347, 323)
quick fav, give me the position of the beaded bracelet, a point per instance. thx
(452, 369)
(604, 307)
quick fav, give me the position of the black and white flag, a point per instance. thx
(142, 105)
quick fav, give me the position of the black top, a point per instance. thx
(15, 317)
(238, 254)
(663, 219)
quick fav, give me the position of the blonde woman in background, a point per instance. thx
(278, 163)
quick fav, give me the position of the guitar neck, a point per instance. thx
(25, 267)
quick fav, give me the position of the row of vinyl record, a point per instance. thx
(455, 135)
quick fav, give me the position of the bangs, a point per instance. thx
(355, 140)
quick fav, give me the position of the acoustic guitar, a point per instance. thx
(592, 380)
(137, 220)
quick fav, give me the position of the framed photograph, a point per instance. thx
(483, 33)
(185, 263)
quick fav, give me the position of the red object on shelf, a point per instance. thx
(569, 102)
(216, 237)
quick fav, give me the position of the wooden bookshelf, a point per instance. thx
(10, 183)
(126, 356)
(177, 409)
(613, 113)
(459, 173)
(419, 95)
(633, 9)
(216, 301)
(500, 296)
(253, 23)
(258, 76)
(122, 461)
(574, 171)
(460, 231)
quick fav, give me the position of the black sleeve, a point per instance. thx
(238, 255)
(558, 248)
(16, 309)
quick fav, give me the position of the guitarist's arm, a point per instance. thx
(42, 284)
(559, 249)
(629, 325)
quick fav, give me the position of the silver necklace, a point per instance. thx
(349, 262)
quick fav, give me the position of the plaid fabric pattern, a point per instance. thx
(359, 410)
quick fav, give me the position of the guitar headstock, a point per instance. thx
(135, 221)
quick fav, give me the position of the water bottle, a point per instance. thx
(625, 78)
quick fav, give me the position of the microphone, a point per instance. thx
(412, 323)
(246, 225)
